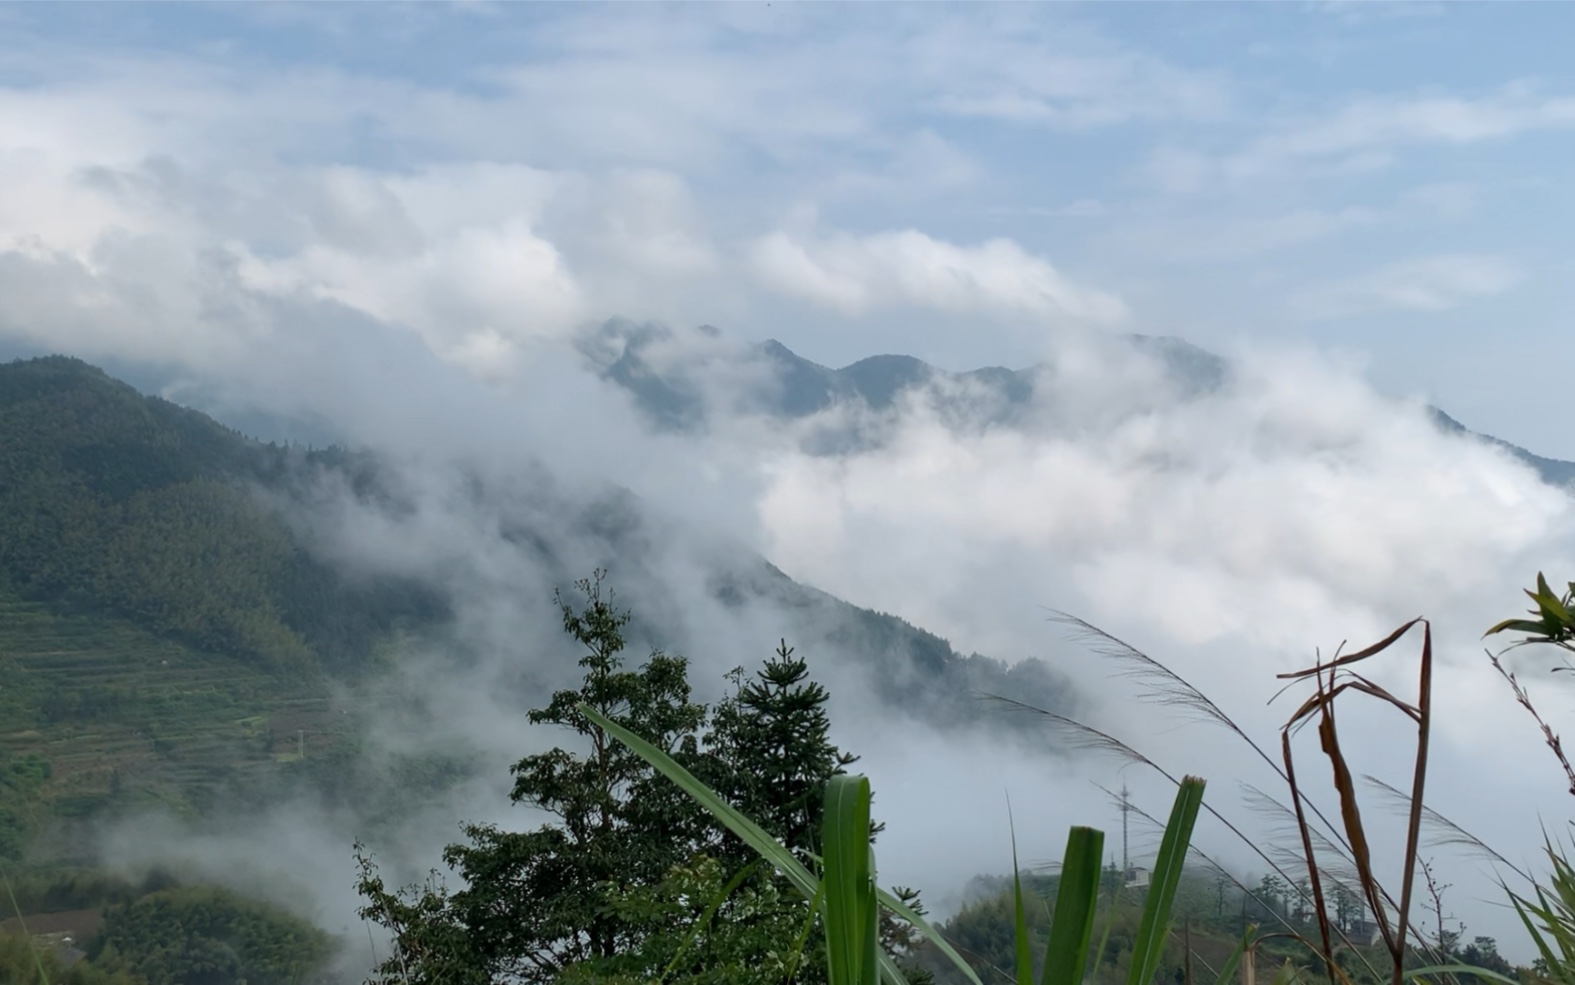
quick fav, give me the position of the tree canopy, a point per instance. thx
(631, 881)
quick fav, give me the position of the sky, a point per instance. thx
(953, 182)
(398, 219)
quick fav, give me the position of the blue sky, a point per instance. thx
(958, 182)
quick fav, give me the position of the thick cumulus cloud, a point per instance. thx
(116, 252)
(1232, 535)
(1295, 476)
(857, 274)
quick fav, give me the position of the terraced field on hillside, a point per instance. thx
(126, 719)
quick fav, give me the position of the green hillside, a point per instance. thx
(166, 637)
(111, 501)
(163, 638)
(98, 713)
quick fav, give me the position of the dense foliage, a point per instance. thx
(207, 936)
(25, 962)
(110, 499)
(614, 889)
(21, 783)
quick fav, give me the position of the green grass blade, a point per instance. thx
(707, 916)
(802, 943)
(768, 847)
(873, 952)
(1286, 975)
(889, 972)
(1459, 969)
(1555, 966)
(1072, 923)
(850, 889)
(1228, 969)
(1110, 920)
(1154, 929)
(1025, 954)
(932, 935)
(755, 836)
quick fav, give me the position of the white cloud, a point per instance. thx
(1425, 284)
(1213, 237)
(1297, 477)
(1364, 135)
(1228, 536)
(1238, 232)
(1085, 92)
(469, 294)
(857, 274)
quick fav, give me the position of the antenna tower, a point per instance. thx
(1126, 809)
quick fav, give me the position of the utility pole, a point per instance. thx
(1126, 809)
(300, 743)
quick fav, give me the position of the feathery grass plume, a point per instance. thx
(1448, 833)
(1282, 819)
(1290, 932)
(1343, 848)
(1290, 929)
(1343, 873)
(1088, 737)
(1084, 737)
(1158, 683)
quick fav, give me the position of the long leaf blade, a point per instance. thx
(755, 836)
(1154, 929)
(1072, 924)
(1454, 970)
(903, 910)
(850, 889)
(1228, 969)
(769, 848)
(1025, 954)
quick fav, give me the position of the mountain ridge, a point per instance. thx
(666, 390)
(171, 633)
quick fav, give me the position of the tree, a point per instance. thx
(1482, 952)
(1348, 907)
(24, 961)
(631, 878)
(205, 936)
(702, 928)
(770, 753)
(1297, 901)
(1271, 892)
(536, 902)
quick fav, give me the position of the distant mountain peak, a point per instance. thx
(668, 382)
(650, 362)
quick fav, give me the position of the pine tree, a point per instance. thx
(771, 753)
(536, 902)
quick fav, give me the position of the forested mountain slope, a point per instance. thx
(169, 635)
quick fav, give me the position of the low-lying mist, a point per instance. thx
(1233, 531)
